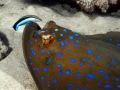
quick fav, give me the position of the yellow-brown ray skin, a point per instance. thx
(38, 61)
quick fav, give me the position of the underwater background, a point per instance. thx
(14, 73)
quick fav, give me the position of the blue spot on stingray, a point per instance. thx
(81, 64)
(48, 61)
(65, 30)
(77, 74)
(101, 71)
(71, 37)
(66, 42)
(75, 45)
(62, 44)
(118, 45)
(45, 69)
(72, 60)
(117, 78)
(90, 76)
(85, 88)
(89, 51)
(36, 69)
(33, 52)
(60, 73)
(91, 63)
(67, 72)
(61, 35)
(59, 65)
(42, 77)
(106, 76)
(118, 86)
(48, 51)
(68, 51)
(55, 80)
(98, 57)
(42, 51)
(113, 61)
(77, 41)
(59, 39)
(69, 86)
(78, 88)
(59, 54)
(76, 34)
(107, 85)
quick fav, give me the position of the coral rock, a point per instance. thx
(91, 5)
(103, 5)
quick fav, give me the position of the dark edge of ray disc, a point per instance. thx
(30, 28)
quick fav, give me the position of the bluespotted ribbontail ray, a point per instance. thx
(60, 59)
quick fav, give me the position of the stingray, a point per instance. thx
(61, 59)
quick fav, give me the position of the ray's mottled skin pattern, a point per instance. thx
(71, 62)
